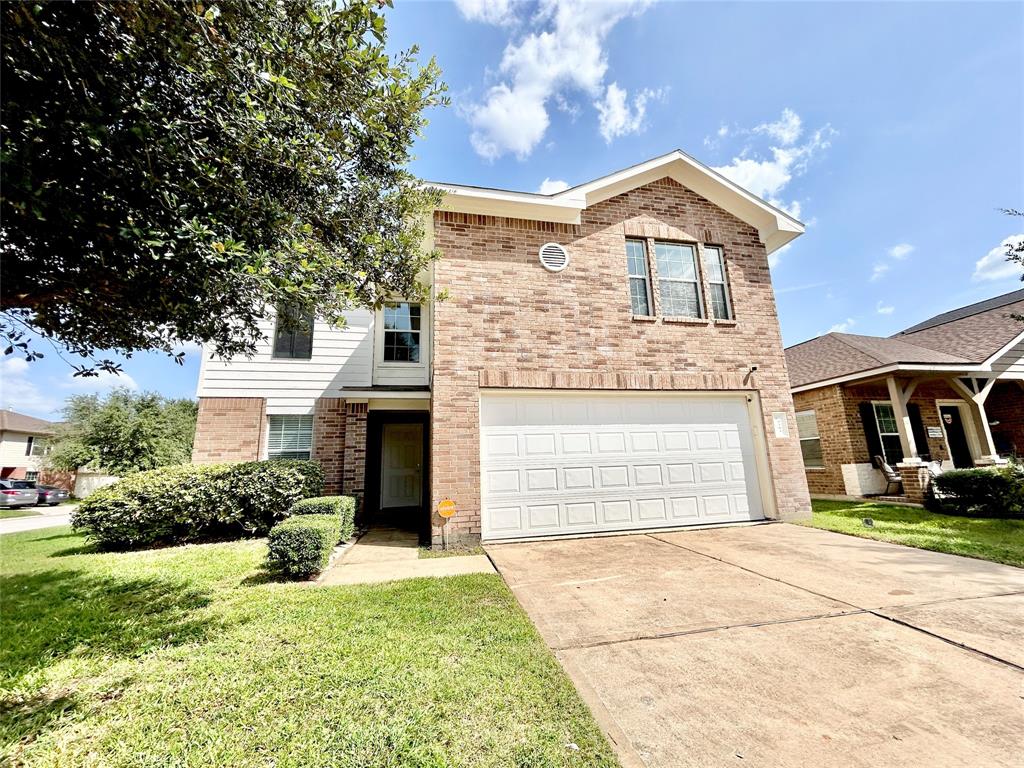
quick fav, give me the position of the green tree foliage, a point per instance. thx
(173, 168)
(124, 432)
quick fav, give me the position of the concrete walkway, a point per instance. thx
(777, 645)
(48, 517)
(390, 554)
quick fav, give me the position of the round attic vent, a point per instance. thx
(554, 257)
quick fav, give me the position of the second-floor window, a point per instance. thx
(401, 332)
(714, 269)
(293, 337)
(678, 280)
(639, 282)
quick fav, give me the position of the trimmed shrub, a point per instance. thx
(980, 492)
(301, 546)
(342, 506)
(195, 502)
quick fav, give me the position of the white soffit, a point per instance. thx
(775, 227)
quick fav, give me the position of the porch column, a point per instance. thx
(975, 397)
(899, 398)
(353, 480)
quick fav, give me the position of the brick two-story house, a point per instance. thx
(608, 358)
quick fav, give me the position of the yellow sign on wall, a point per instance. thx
(446, 508)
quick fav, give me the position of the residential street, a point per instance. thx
(783, 646)
(49, 517)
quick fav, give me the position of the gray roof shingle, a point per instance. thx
(11, 421)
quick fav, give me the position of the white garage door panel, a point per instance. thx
(559, 464)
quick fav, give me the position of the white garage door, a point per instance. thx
(556, 464)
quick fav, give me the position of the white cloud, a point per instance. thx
(879, 271)
(100, 383)
(497, 12)
(552, 186)
(565, 51)
(786, 129)
(616, 118)
(19, 393)
(901, 251)
(994, 266)
(767, 178)
(723, 131)
(885, 309)
(844, 326)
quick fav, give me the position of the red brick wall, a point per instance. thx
(829, 409)
(229, 429)
(506, 313)
(1005, 404)
(329, 441)
(354, 470)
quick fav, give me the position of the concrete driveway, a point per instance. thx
(776, 645)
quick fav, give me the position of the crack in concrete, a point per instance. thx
(858, 609)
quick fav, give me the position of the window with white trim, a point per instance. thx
(402, 332)
(810, 440)
(888, 433)
(290, 437)
(639, 281)
(714, 268)
(31, 475)
(678, 282)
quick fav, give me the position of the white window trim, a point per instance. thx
(816, 437)
(646, 277)
(878, 427)
(425, 340)
(697, 281)
(724, 282)
(270, 416)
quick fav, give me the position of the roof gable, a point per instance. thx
(11, 421)
(775, 227)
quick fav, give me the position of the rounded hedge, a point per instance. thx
(195, 502)
(301, 546)
(979, 492)
(342, 506)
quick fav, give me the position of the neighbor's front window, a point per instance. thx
(290, 437)
(639, 282)
(888, 433)
(810, 440)
(677, 280)
(714, 268)
(402, 333)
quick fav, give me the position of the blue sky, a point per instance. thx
(894, 130)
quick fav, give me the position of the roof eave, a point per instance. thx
(871, 373)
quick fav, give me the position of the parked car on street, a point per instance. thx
(18, 493)
(51, 495)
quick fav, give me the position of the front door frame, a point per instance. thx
(966, 421)
(375, 422)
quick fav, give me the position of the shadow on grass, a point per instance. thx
(50, 616)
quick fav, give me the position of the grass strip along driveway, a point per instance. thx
(998, 540)
(188, 656)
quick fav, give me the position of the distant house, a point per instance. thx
(23, 443)
(948, 390)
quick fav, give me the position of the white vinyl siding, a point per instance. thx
(639, 280)
(289, 437)
(678, 280)
(714, 270)
(810, 440)
(341, 357)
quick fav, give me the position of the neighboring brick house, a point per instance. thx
(606, 358)
(948, 390)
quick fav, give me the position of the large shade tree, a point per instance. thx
(172, 169)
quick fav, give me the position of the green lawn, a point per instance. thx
(187, 656)
(7, 514)
(1001, 541)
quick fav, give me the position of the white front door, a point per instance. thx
(401, 474)
(564, 463)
